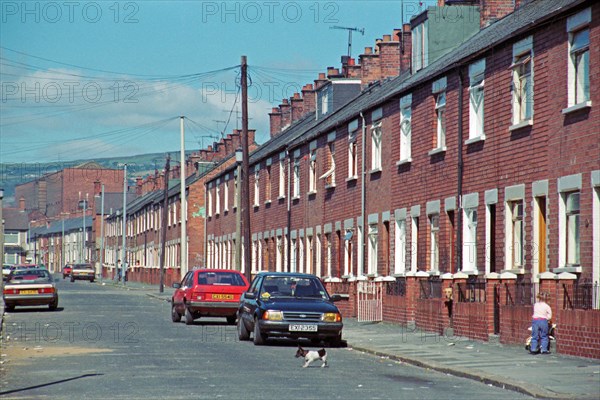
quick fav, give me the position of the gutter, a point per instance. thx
(363, 200)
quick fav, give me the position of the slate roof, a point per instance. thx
(527, 16)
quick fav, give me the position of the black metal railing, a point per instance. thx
(396, 288)
(521, 293)
(430, 288)
(471, 292)
(584, 296)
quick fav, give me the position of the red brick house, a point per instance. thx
(478, 171)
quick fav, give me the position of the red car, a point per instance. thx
(67, 271)
(208, 292)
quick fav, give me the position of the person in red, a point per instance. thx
(542, 314)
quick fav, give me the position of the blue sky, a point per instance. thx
(87, 79)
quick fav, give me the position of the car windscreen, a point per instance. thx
(31, 276)
(299, 287)
(220, 278)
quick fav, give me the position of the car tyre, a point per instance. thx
(231, 320)
(53, 306)
(259, 338)
(72, 279)
(175, 316)
(336, 341)
(243, 333)
(9, 307)
(91, 281)
(189, 317)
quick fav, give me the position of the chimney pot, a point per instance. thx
(387, 38)
(368, 50)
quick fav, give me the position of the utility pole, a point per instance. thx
(163, 226)
(245, 203)
(183, 246)
(350, 30)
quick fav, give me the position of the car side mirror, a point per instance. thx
(176, 285)
(250, 295)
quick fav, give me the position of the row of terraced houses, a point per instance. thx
(440, 180)
(476, 169)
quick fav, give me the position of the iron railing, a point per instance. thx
(584, 296)
(471, 292)
(396, 288)
(521, 293)
(431, 288)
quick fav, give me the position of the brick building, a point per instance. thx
(476, 171)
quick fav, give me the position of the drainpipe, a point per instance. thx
(363, 194)
(288, 249)
(460, 172)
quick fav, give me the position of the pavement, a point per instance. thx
(553, 376)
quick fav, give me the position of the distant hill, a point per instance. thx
(13, 174)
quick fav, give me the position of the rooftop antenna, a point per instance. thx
(350, 30)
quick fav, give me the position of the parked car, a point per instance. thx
(6, 270)
(290, 305)
(83, 272)
(67, 271)
(208, 292)
(30, 287)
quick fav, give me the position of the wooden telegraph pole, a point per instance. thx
(245, 203)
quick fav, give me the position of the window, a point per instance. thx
(256, 188)
(372, 249)
(348, 270)
(572, 217)
(376, 146)
(309, 255)
(476, 99)
(419, 47)
(279, 254)
(210, 201)
(522, 85)
(312, 174)
(414, 242)
(405, 128)
(268, 184)
(318, 270)
(352, 149)
(469, 256)
(236, 188)
(293, 255)
(438, 89)
(217, 199)
(579, 57)
(329, 176)
(300, 264)
(515, 235)
(400, 247)
(328, 254)
(296, 180)
(282, 176)
(434, 225)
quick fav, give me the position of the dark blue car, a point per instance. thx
(290, 305)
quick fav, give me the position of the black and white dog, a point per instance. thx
(312, 355)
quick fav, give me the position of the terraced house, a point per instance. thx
(441, 184)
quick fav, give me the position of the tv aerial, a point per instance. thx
(350, 30)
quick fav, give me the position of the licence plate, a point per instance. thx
(303, 328)
(28, 292)
(222, 297)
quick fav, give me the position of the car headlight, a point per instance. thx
(271, 315)
(331, 317)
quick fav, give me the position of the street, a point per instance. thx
(109, 342)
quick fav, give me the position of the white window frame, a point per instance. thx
(293, 255)
(348, 257)
(477, 100)
(414, 243)
(309, 254)
(268, 184)
(572, 233)
(578, 78)
(400, 246)
(282, 178)
(405, 129)
(226, 196)
(469, 245)
(217, 199)
(328, 254)
(300, 264)
(515, 234)
(318, 262)
(376, 143)
(210, 202)
(329, 176)
(438, 90)
(372, 248)
(312, 173)
(353, 150)
(296, 179)
(434, 254)
(522, 83)
(256, 188)
(279, 254)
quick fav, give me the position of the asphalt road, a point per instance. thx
(106, 342)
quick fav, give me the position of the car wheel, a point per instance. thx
(9, 307)
(189, 317)
(231, 320)
(259, 338)
(72, 279)
(243, 333)
(175, 316)
(91, 281)
(336, 341)
(53, 306)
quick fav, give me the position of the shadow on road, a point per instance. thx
(48, 384)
